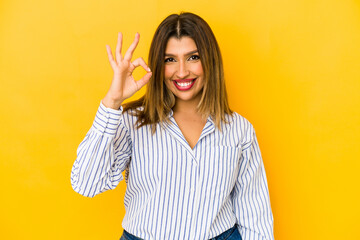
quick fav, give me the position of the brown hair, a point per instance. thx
(158, 100)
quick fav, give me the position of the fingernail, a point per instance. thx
(149, 70)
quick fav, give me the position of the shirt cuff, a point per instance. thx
(107, 119)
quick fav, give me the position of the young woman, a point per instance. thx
(193, 167)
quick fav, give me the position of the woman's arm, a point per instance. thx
(251, 196)
(103, 154)
(106, 149)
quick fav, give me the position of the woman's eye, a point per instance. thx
(194, 57)
(169, 59)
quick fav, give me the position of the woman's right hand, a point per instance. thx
(123, 84)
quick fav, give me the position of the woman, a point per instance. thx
(194, 168)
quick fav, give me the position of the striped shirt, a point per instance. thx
(173, 191)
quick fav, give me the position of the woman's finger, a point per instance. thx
(144, 80)
(110, 56)
(118, 48)
(140, 62)
(130, 51)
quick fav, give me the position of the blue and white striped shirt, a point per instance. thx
(173, 191)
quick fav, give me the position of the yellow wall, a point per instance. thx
(292, 69)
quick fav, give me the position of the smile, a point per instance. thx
(184, 84)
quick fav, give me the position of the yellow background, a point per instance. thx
(292, 69)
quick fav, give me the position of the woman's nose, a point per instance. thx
(182, 72)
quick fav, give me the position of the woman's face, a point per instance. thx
(183, 70)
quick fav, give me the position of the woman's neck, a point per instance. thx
(188, 107)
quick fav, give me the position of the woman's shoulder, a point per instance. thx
(237, 120)
(238, 127)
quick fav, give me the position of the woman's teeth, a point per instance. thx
(184, 84)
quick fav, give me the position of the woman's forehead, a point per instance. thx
(180, 46)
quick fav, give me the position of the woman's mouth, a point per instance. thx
(184, 84)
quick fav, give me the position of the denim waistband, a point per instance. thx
(223, 236)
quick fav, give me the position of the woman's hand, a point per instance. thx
(123, 84)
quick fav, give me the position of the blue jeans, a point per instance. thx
(231, 234)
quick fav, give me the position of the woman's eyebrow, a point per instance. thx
(186, 54)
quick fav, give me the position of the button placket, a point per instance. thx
(196, 195)
(193, 184)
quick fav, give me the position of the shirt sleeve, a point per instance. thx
(103, 154)
(250, 196)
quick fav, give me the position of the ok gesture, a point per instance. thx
(123, 84)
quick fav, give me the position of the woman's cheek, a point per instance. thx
(168, 72)
(198, 69)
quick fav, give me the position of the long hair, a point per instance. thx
(155, 105)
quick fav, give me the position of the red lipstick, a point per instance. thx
(184, 84)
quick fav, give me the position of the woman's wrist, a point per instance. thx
(110, 102)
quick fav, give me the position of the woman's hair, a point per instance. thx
(158, 100)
